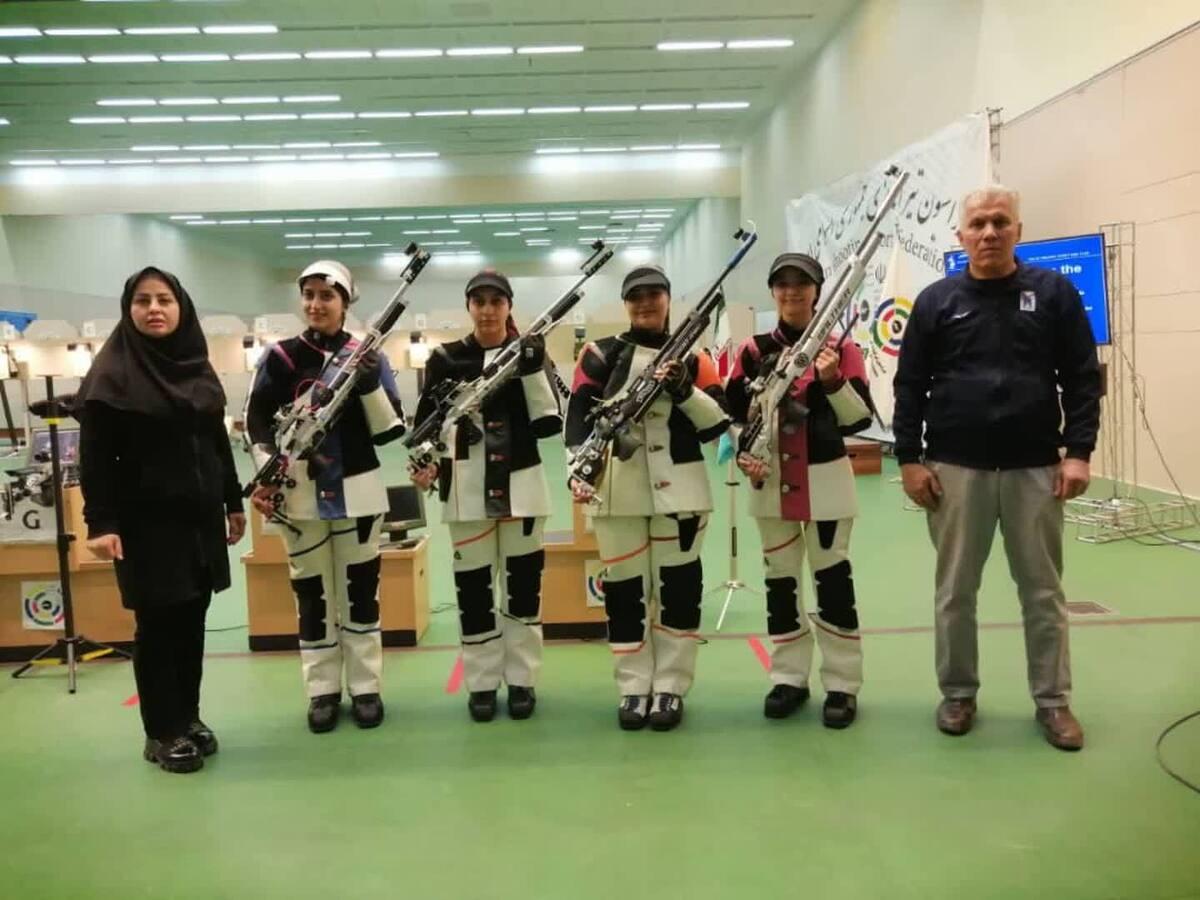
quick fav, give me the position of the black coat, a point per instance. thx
(165, 487)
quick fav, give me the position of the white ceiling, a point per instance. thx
(619, 66)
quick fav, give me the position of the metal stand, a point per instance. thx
(731, 585)
(71, 648)
(1124, 514)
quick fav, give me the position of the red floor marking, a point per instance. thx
(131, 701)
(454, 682)
(761, 652)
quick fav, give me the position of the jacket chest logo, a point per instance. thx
(1028, 301)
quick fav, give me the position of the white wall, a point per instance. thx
(73, 267)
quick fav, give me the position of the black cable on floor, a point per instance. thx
(1158, 751)
(230, 628)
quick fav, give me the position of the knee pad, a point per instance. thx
(625, 605)
(363, 526)
(363, 590)
(310, 604)
(475, 610)
(826, 532)
(783, 614)
(835, 596)
(681, 590)
(524, 584)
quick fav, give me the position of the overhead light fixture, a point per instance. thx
(356, 144)
(214, 119)
(119, 58)
(187, 216)
(194, 57)
(307, 145)
(592, 227)
(555, 151)
(690, 45)
(229, 159)
(132, 101)
(338, 54)
(438, 113)
(327, 115)
(154, 120)
(650, 148)
(188, 101)
(398, 114)
(313, 98)
(407, 53)
(232, 101)
(506, 233)
(19, 31)
(49, 59)
(611, 108)
(266, 57)
(270, 117)
(553, 110)
(593, 212)
(97, 120)
(81, 32)
(255, 146)
(241, 29)
(81, 162)
(179, 160)
(761, 44)
(32, 162)
(155, 30)
(415, 154)
(697, 146)
(551, 48)
(479, 51)
(276, 157)
(605, 149)
(664, 107)
(499, 111)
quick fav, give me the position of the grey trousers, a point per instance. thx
(962, 529)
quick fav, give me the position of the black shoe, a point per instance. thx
(521, 702)
(667, 712)
(202, 736)
(482, 705)
(631, 714)
(783, 700)
(323, 712)
(367, 710)
(840, 709)
(177, 755)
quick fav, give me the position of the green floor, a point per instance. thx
(566, 805)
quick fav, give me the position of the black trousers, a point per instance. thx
(168, 662)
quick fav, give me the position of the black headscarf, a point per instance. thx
(166, 377)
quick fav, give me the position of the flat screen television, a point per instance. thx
(1079, 258)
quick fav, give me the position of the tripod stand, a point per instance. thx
(731, 585)
(73, 646)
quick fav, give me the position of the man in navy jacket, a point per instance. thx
(997, 374)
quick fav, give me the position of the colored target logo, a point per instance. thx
(888, 326)
(44, 608)
(595, 587)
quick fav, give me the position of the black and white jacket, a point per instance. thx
(498, 475)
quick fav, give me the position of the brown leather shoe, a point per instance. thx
(1061, 728)
(956, 715)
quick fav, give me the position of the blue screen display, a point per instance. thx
(1080, 259)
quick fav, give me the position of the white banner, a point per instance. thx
(829, 224)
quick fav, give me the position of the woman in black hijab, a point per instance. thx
(159, 487)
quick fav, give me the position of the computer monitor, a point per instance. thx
(405, 513)
(68, 446)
